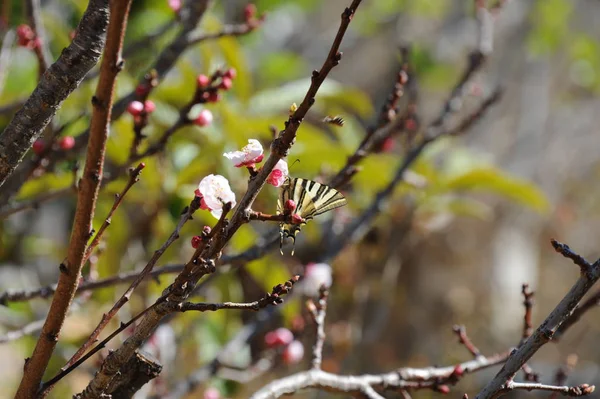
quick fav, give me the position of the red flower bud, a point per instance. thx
(141, 90)
(290, 205)
(24, 35)
(197, 193)
(231, 73)
(410, 124)
(196, 240)
(213, 97)
(66, 143)
(38, 146)
(387, 145)
(249, 11)
(458, 370)
(297, 219)
(202, 81)
(226, 84)
(279, 337)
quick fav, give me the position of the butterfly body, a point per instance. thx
(311, 198)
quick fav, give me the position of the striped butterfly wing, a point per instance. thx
(311, 198)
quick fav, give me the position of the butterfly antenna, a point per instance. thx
(293, 163)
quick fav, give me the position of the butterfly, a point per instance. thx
(311, 199)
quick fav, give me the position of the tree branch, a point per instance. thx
(545, 332)
(55, 86)
(86, 203)
(203, 262)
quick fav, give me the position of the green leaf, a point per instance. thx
(495, 181)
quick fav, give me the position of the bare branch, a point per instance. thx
(404, 378)
(545, 332)
(464, 339)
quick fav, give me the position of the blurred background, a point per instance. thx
(454, 249)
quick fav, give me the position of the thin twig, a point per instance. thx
(86, 203)
(134, 177)
(464, 339)
(272, 298)
(576, 391)
(33, 9)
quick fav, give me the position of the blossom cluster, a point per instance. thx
(214, 190)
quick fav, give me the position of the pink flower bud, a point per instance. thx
(149, 106)
(205, 118)
(387, 145)
(197, 193)
(196, 240)
(202, 81)
(231, 73)
(226, 84)
(249, 12)
(458, 370)
(175, 5)
(211, 393)
(38, 146)
(445, 389)
(281, 336)
(66, 143)
(206, 230)
(293, 353)
(410, 124)
(290, 205)
(297, 219)
(135, 108)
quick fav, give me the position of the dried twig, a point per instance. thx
(86, 203)
(464, 339)
(134, 176)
